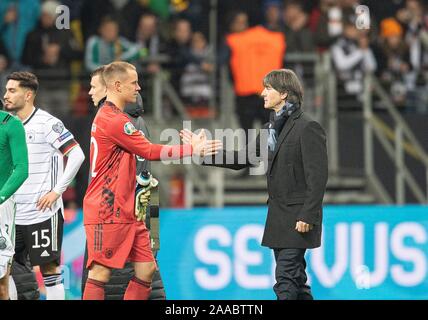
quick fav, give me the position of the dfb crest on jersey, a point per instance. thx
(129, 128)
(31, 136)
(58, 127)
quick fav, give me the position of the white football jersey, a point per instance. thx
(47, 141)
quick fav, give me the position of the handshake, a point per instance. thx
(201, 146)
(145, 182)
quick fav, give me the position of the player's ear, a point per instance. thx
(29, 95)
(117, 86)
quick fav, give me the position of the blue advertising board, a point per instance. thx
(367, 252)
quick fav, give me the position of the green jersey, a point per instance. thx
(13, 155)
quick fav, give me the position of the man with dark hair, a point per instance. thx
(296, 179)
(39, 207)
(179, 48)
(116, 288)
(299, 37)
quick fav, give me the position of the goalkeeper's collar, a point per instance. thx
(100, 103)
(133, 109)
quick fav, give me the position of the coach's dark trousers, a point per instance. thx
(290, 275)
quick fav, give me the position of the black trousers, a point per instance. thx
(290, 275)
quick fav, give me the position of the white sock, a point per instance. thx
(54, 287)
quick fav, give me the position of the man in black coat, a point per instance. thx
(295, 148)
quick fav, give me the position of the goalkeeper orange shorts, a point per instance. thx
(112, 245)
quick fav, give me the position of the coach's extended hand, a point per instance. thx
(201, 146)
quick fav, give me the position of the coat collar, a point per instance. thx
(285, 131)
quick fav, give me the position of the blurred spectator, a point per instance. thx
(152, 45)
(75, 7)
(351, 13)
(49, 52)
(353, 57)
(382, 9)
(196, 11)
(412, 18)
(150, 41)
(298, 36)
(237, 22)
(195, 82)
(252, 9)
(409, 89)
(272, 9)
(4, 63)
(4, 58)
(349, 9)
(108, 46)
(326, 23)
(415, 22)
(48, 48)
(394, 61)
(253, 53)
(160, 7)
(17, 19)
(125, 12)
(179, 50)
(307, 5)
(411, 14)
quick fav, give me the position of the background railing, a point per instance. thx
(219, 187)
(396, 143)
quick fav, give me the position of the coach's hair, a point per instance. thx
(285, 81)
(116, 68)
(26, 80)
(99, 72)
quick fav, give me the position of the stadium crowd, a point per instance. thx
(174, 36)
(395, 47)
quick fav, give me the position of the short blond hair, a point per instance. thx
(116, 69)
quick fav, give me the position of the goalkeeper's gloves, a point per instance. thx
(145, 182)
(141, 203)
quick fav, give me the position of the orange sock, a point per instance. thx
(138, 290)
(94, 290)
